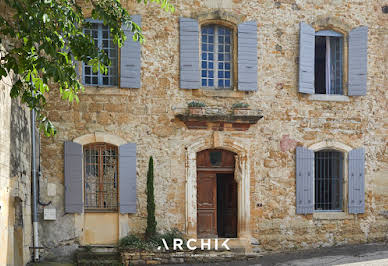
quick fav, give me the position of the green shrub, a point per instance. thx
(168, 236)
(240, 105)
(135, 242)
(151, 221)
(196, 104)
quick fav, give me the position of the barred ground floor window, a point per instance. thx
(101, 177)
(328, 183)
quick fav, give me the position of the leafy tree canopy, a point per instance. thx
(47, 39)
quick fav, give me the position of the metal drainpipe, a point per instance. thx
(34, 190)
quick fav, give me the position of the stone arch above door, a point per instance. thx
(242, 174)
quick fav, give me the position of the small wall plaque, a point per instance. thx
(49, 214)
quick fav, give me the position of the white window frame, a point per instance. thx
(99, 74)
(215, 61)
(332, 33)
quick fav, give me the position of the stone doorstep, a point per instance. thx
(144, 257)
(100, 248)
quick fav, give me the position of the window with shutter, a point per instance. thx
(103, 40)
(101, 177)
(223, 49)
(130, 57)
(320, 175)
(321, 56)
(328, 165)
(328, 62)
(356, 181)
(216, 57)
(127, 180)
(73, 177)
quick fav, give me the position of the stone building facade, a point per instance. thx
(265, 150)
(15, 179)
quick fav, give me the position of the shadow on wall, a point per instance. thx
(19, 221)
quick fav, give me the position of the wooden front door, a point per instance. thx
(216, 194)
(206, 204)
(226, 205)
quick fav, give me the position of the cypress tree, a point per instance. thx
(151, 221)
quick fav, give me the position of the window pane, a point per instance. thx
(100, 176)
(102, 38)
(328, 180)
(216, 56)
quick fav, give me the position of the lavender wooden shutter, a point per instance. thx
(247, 56)
(356, 181)
(73, 178)
(127, 178)
(189, 53)
(358, 60)
(304, 180)
(306, 58)
(130, 61)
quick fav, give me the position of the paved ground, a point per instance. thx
(354, 255)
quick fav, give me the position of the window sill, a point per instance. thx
(219, 93)
(329, 98)
(332, 216)
(101, 210)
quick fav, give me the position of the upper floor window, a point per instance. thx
(217, 54)
(328, 62)
(103, 40)
(216, 57)
(321, 57)
(101, 182)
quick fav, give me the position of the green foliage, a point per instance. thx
(151, 221)
(196, 104)
(47, 39)
(240, 105)
(135, 242)
(168, 236)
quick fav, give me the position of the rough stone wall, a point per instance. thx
(15, 179)
(146, 116)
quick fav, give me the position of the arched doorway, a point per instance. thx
(216, 194)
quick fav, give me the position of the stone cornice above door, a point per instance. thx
(219, 119)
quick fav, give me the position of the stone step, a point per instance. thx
(91, 258)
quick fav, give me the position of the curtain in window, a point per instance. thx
(328, 66)
(333, 67)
